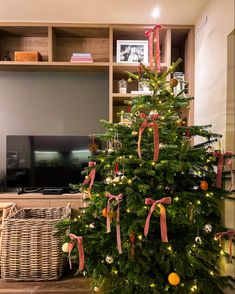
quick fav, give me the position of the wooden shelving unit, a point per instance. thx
(56, 42)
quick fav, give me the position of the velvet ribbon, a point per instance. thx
(91, 177)
(117, 198)
(163, 225)
(155, 133)
(229, 234)
(154, 32)
(76, 239)
(221, 163)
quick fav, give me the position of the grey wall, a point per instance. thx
(33, 103)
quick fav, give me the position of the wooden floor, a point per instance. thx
(68, 285)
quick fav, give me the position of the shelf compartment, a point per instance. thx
(118, 99)
(133, 32)
(121, 68)
(21, 38)
(54, 66)
(67, 40)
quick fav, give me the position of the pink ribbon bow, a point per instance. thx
(163, 225)
(90, 178)
(118, 198)
(221, 163)
(229, 234)
(150, 34)
(155, 133)
(76, 239)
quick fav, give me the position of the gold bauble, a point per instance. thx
(174, 279)
(173, 82)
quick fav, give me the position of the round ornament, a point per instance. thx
(116, 179)
(65, 247)
(173, 82)
(108, 180)
(204, 185)
(123, 178)
(207, 228)
(109, 259)
(96, 289)
(198, 239)
(129, 80)
(174, 279)
(104, 212)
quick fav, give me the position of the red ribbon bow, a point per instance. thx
(118, 198)
(221, 163)
(76, 239)
(150, 34)
(229, 234)
(163, 225)
(155, 133)
(90, 178)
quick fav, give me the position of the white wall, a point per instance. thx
(211, 65)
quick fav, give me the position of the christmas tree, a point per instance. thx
(152, 223)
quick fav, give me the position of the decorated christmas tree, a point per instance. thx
(153, 223)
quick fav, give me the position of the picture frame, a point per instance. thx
(132, 51)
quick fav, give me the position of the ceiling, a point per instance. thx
(102, 11)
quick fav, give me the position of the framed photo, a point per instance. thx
(131, 51)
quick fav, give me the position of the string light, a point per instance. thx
(176, 199)
(169, 248)
(221, 252)
(211, 273)
(130, 156)
(128, 210)
(129, 181)
(152, 285)
(198, 202)
(140, 237)
(153, 163)
(193, 288)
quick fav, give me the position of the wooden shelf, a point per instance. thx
(57, 41)
(53, 66)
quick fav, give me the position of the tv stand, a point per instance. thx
(52, 191)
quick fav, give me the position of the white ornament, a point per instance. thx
(123, 178)
(65, 247)
(109, 259)
(208, 228)
(108, 180)
(116, 180)
(96, 289)
(198, 239)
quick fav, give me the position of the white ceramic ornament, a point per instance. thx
(116, 180)
(109, 259)
(108, 180)
(208, 228)
(198, 239)
(65, 247)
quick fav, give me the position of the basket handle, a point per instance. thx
(13, 211)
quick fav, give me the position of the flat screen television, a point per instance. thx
(45, 161)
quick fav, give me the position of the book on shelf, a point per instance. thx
(81, 57)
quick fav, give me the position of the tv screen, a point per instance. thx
(46, 161)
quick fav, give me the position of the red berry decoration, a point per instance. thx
(204, 185)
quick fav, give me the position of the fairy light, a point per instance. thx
(193, 288)
(160, 102)
(211, 273)
(115, 272)
(130, 156)
(221, 252)
(140, 237)
(153, 163)
(129, 181)
(198, 202)
(169, 248)
(75, 219)
(128, 210)
(152, 285)
(150, 129)
(145, 207)
(176, 199)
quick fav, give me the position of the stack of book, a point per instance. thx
(81, 57)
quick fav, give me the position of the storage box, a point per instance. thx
(30, 249)
(28, 56)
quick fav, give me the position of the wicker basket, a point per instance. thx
(30, 250)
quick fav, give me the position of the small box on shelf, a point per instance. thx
(27, 56)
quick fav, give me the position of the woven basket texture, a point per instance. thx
(30, 249)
